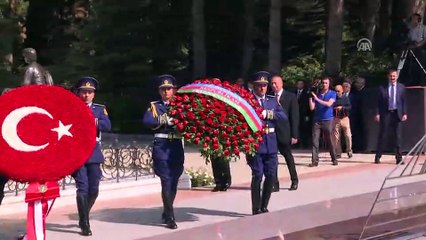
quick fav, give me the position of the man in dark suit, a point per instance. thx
(391, 111)
(287, 129)
(305, 118)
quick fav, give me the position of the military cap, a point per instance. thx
(166, 81)
(261, 77)
(87, 83)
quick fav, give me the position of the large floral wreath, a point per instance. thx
(218, 129)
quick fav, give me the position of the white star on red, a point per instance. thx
(62, 130)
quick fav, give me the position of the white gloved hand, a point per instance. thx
(163, 119)
(170, 121)
(264, 114)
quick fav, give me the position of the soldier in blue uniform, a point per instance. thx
(167, 151)
(3, 181)
(87, 177)
(265, 161)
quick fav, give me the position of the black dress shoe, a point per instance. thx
(350, 155)
(224, 188)
(313, 164)
(216, 189)
(334, 163)
(171, 223)
(293, 186)
(377, 160)
(264, 210)
(256, 211)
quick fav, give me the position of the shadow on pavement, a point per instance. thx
(10, 229)
(152, 216)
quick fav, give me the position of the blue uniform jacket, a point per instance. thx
(103, 125)
(269, 144)
(151, 117)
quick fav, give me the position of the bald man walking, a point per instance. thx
(287, 129)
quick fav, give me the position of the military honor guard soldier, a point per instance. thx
(167, 152)
(87, 177)
(265, 161)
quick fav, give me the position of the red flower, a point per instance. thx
(219, 129)
(226, 152)
(237, 151)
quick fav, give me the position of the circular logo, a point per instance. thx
(364, 45)
(46, 133)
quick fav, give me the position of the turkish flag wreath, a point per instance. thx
(47, 133)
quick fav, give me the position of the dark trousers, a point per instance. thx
(305, 130)
(87, 179)
(3, 181)
(326, 127)
(221, 172)
(285, 150)
(389, 124)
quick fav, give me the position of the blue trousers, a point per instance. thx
(263, 164)
(87, 179)
(168, 158)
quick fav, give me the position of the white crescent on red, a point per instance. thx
(10, 124)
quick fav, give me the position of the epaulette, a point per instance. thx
(98, 105)
(270, 96)
(154, 109)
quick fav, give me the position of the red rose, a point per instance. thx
(187, 135)
(235, 143)
(173, 112)
(193, 129)
(196, 141)
(244, 125)
(237, 151)
(233, 137)
(215, 140)
(175, 121)
(256, 146)
(238, 129)
(228, 143)
(209, 121)
(172, 103)
(180, 127)
(207, 139)
(229, 129)
(247, 148)
(226, 152)
(224, 135)
(198, 134)
(251, 140)
(205, 145)
(215, 146)
(215, 133)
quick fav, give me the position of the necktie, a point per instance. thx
(392, 98)
(262, 101)
(298, 93)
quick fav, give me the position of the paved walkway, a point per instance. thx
(326, 194)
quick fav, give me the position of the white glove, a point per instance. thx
(170, 121)
(264, 114)
(163, 119)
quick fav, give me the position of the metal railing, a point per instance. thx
(399, 208)
(123, 162)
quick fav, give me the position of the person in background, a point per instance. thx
(358, 117)
(240, 82)
(341, 111)
(287, 129)
(305, 118)
(391, 112)
(322, 105)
